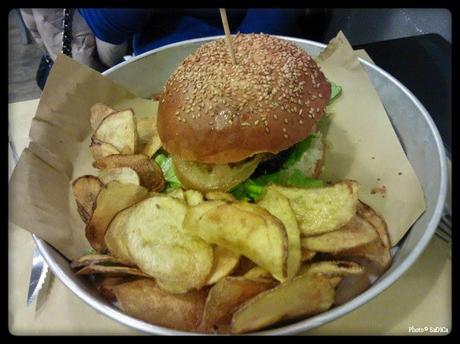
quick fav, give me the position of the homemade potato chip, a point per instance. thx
(119, 129)
(146, 126)
(149, 140)
(244, 266)
(225, 261)
(279, 206)
(355, 233)
(85, 190)
(119, 174)
(150, 234)
(193, 197)
(111, 271)
(150, 148)
(333, 268)
(324, 209)
(257, 273)
(226, 296)
(105, 288)
(244, 228)
(149, 172)
(376, 221)
(377, 252)
(306, 255)
(143, 299)
(90, 259)
(302, 296)
(219, 196)
(113, 198)
(177, 193)
(374, 252)
(98, 112)
(101, 149)
(351, 286)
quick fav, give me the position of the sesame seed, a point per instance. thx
(284, 130)
(245, 124)
(267, 130)
(205, 79)
(300, 121)
(286, 121)
(286, 136)
(256, 122)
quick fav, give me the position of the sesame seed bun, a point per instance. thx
(212, 111)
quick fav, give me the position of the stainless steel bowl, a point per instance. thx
(147, 73)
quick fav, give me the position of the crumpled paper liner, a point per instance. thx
(362, 145)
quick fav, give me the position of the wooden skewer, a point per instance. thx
(228, 37)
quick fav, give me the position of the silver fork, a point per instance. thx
(444, 230)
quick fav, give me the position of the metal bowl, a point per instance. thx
(147, 73)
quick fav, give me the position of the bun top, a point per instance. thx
(212, 111)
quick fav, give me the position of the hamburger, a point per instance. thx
(227, 127)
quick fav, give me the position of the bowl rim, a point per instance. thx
(378, 287)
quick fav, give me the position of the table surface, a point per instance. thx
(419, 299)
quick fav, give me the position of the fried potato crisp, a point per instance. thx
(91, 259)
(101, 149)
(193, 197)
(149, 140)
(120, 174)
(321, 210)
(85, 190)
(111, 271)
(225, 261)
(98, 112)
(149, 172)
(119, 129)
(150, 234)
(113, 198)
(243, 228)
(302, 296)
(279, 206)
(144, 300)
(357, 232)
(226, 296)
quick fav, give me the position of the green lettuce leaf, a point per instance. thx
(298, 150)
(288, 175)
(165, 163)
(336, 91)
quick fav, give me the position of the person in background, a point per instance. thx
(141, 30)
(60, 30)
(100, 37)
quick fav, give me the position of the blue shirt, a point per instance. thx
(151, 28)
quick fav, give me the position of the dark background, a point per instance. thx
(414, 45)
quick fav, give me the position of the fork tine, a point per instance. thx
(443, 237)
(446, 227)
(444, 232)
(447, 219)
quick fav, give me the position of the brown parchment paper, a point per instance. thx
(363, 145)
(40, 195)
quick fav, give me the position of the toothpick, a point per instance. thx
(228, 37)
